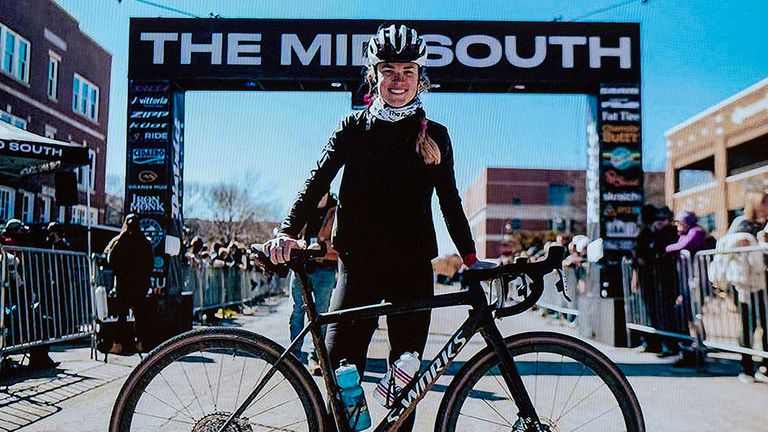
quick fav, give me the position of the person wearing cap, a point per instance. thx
(56, 238)
(130, 256)
(394, 160)
(13, 233)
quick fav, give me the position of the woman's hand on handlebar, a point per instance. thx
(279, 248)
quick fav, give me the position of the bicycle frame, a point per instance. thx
(480, 320)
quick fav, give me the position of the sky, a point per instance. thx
(693, 53)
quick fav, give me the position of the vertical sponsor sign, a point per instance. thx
(149, 175)
(621, 174)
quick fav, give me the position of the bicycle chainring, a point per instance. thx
(213, 422)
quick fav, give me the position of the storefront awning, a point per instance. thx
(25, 153)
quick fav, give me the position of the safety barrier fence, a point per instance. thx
(46, 297)
(215, 288)
(716, 299)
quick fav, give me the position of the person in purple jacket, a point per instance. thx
(693, 237)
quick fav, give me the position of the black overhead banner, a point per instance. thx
(464, 56)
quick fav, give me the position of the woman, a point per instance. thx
(393, 159)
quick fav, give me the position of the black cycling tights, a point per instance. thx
(371, 281)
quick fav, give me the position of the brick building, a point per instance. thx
(54, 81)
(532, 200)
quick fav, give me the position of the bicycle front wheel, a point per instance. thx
(572, 385)
(194, 381)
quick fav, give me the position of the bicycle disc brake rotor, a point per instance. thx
(213, 422)
(547, 425)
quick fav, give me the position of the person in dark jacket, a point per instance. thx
(130, 257)
(394, 159)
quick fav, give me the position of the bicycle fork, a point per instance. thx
(527, 412)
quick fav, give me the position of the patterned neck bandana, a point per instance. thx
(390, 114)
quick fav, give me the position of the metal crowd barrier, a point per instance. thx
(717, 299)
(46, 297)
(729, 293)
(657, 296)
(215, 288)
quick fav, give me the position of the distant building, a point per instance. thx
(504, 199)
(54, 81)
(717, 156)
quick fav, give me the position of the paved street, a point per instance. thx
(79, 395)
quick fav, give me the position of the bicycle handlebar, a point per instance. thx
(535, 270)
(298, 256)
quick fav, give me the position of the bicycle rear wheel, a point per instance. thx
(194, 381)
(572, 385)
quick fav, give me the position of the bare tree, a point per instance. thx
(230, 211)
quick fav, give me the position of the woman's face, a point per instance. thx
(397, 82)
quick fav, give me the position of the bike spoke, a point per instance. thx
(573, 390)
(583, 399)
(485, 420)
(194, 393)
(494, 409)
(163, 418)
(590, 421)
(170, 387)
(273, 407)
(208, 380)
(176, 410)
(240, 381)
(218, 383)
(557, 386)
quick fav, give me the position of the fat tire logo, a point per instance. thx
(152, 230)
(147, 176)
(147, 204)
(148, 156)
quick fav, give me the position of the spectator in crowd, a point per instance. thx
(746, 271)
(693, 237)
(131, 258)
(13, 233)
(643, 274)
(322, 272)
(665, 278)
(56, 238)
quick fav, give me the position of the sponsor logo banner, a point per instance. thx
(148, 156)
(620, 228)
(148, 114)
(150, 101)
(145, 87)
(623, 196)
(148, 176)
(618, 210)
(153, 230)
(147, 204)
(147, 125)
(620, 180)
(622, 158)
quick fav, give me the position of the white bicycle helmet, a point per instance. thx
(398, 45)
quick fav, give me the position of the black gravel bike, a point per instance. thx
(233, 380)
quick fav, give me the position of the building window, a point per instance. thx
(15, 54)
(45, 211)
(558, 194)
(81, 212)
(7, 199)
(12, 119)
(85, 98)
(53, 77)
(87, 173)
(695, 174)
(50, 131)
(62, 213)
(27, 206)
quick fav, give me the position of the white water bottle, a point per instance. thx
(100, 298)
(397, 377)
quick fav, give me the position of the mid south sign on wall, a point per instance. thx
(179, 49)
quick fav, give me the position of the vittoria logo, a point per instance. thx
(149, 101)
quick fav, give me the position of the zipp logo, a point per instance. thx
(147, 176)
(149, 114)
